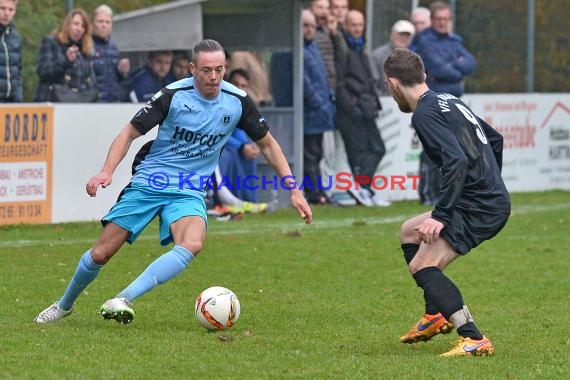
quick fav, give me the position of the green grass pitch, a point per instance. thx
(326, 301)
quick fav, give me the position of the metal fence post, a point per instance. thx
(530, 46)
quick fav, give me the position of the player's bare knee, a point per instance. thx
(407, 234)
(100, 254)
(413, 267)
(408, 238)
(193, 246)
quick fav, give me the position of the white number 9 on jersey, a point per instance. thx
(469, 116)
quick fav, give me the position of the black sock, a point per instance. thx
(469, 330)
(442, 293)
(439, 291)
(430, 307)
(410, 250)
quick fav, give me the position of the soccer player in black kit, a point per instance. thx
(473, 207)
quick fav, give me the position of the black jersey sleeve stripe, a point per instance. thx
(251, 120)
(155, 110)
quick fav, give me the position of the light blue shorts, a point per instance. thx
(138, 205)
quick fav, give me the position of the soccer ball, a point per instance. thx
(217, 308)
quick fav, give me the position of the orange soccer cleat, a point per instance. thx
(471, 347)
(426, 328)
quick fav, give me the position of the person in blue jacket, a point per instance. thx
(10, 55)
(318, 111)
(446, 60)
(151, 78)
(109, 68)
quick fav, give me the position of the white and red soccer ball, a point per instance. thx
(217, 308)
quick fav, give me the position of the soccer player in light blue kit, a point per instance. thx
(196, 116)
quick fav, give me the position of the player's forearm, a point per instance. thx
(119, 148)
(272, 152)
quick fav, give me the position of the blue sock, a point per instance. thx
(85, 273)
(158, 272)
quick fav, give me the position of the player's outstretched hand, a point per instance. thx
(300, 204)
(429, 230)
(101, 179)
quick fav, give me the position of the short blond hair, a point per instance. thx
(103, 8)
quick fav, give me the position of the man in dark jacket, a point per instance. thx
(357, 109)
(10, 55)
(109, 69)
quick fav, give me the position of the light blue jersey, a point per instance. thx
(191, 134)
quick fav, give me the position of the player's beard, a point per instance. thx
(401, 101)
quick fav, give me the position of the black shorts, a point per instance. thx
(471, 226)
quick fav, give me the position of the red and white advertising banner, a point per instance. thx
(535, 128)
(536, 132)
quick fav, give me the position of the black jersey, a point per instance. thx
(467, 152)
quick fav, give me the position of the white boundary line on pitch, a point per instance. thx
(275, 227)
(282, 227)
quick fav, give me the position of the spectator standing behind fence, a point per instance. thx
(328, 40)
(339, 9)
(109, 69)
(421, 19)
(10, 55)
(318, 110)
(446, 61)
(65, 57)
(332, 46)
(147, 81)
(357, 109)
(400, 37)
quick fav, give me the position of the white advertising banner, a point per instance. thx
(403, 150)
